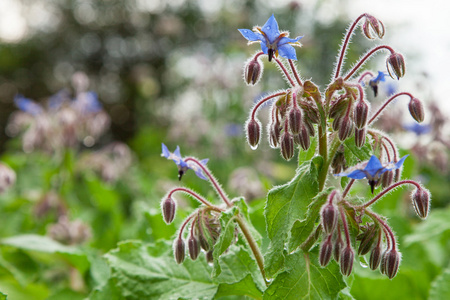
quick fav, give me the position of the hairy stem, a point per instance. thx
(285, 71)
(386, 103)
(262, 101)
(195, 196)
(385, 191)
(294, 71)
(365, 57)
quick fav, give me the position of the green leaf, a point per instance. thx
(3, 296)
(226, 236)
(307, 155)
(137, 274)
(244, 211)
(285, 205)
(43, 244)
(440, 288)
(353, 154)
(306, 279)
(245, 287)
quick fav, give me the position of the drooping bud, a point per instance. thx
(387, 178)
(345, 128)
(168, 206)
(209, 256)
(329, 215)
(375, 257)
(338, 247)
(368, 239)
(287, 146)
(360, 137)
(383, 262)
(312, 114)
(326, 250)
(373, 24)
(337, 108)
(309, 128)
(360, 114)
(303, 138)
(194, 247)
(416, 109)
(295, 119)
(179, 250)
(421, 202)
(391, 262)
(274, 135)
(395, 65)
(253, 127)
(253, 71)
(346, 260)
(336, 123)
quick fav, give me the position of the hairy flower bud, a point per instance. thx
(387, 178)
(360, 137)
(253, 133)
(360, 114)
(421, 202)
(416, 109)
(295, 119)
(274, 135)
(194, 247)
(209, 256)
(326, 250)
(168, 206)
(179, 250)
(374, 25)
(253, 71)
(346, 260)
(337, 108)
(336, 123)
(287, 146)
(395, 65)
(375, 257)
(391, 261)
(345, 128)
(303, 138)
(329, 215)
(338, 246)
(309, 128)
(368, 239)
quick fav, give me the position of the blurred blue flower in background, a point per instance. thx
(183, 166)
(417, 128)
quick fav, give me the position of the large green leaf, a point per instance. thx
(245, 287)
(440, 288)
(285, 205)
(305, 279)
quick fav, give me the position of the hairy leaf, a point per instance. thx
(226, 237)
(440, 288)
(245, 287)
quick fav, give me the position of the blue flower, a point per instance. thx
(27, 105)
(375, 81)
(87, 102)
(372, 170)
(273, 42)
(183, 166)
(417, 128)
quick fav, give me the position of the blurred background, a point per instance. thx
(171, 71)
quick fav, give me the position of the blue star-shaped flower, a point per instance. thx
(273, 42)
(183, 166)
(372, 170)
(417, 128)
(27, 105)
(375, 81)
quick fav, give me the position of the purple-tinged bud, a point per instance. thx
(346, 260)
(303, 138)
(312, 114)
(204, 242)
(295, 119)
(338, 246)
(368, 239)
(287, 146)
(309, 128)
(360, 114)
(375, 25)
(329, 214)
(383, 262)
(421, 202)
(209, 256)
(395, 65)
(274, 135)
(416, 109)
(194, 247)
(360, 137)
(168, 207)
(179, 250)
(337, 108)
(337, 123)
(253, 127)
(345, 128)
(387, 179)
(391, 262)
(339, 158)
(253, 71)
(326, 249)
(375, 257)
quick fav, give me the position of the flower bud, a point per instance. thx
(329, 214)
(391, 262)
(395, 65)
(421, 202)
(326, 250)
(168, 207)
(345, 128)
(374, 24)
(287, 146)
(209, 256)
(274, 135)
(303, 138)
(339, 158)
(338, 246)
(346, 260)
(253, 133)
(309, 128)
(416, 109)
(295, 119)
(253, 71)
(336, 123)
(312, 114)
(360, 114)
(179, 250)
(194, 247)
(337, 108)
(360, 137)
(375, 257)
(383, 262)
(368, 239)
(387, 178)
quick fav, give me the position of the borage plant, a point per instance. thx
(308, 220)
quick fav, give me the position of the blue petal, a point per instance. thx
(400, 162)
(251, 36)
(204, 161)
(271, 29)
(200, 174)
(373, 166)
(27, 105)
(177, 152)
(356, 174)
(285, 40)
(264, 48)
(165, 151)
(287, 51)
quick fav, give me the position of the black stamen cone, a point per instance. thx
(372, 184)
(180, 174)
(270, 53)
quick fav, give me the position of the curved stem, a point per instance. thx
(253, 246)
(394, 149)
(188, 219)
(213, 181)
(385, 191)
(331, 197)
(258, 55)
(262, 101)
(294, 71)
(347, 188)
(386, 103)
(385, 226)
(286, 73)
(365, 57)
(367, 73)
(195, 196)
